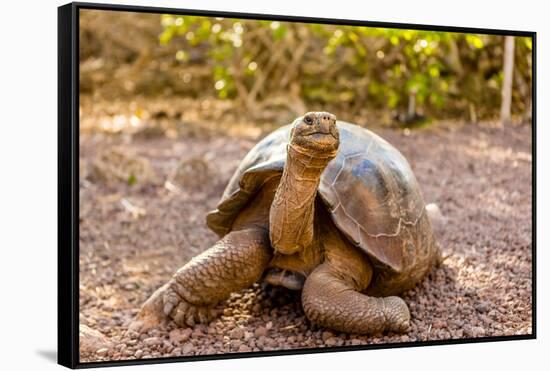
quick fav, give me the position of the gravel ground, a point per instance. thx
(134, 236)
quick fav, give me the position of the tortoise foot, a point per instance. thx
(150, 314)
(397, 314)
(186, 314)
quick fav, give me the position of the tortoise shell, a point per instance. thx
(369, 190)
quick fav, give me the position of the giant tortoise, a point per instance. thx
(322, 206)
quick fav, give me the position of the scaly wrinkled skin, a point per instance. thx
(232, 264)
(332, 296)
(285, 230)
(330, 302)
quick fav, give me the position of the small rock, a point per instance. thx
(210, 350)
(244, 348)
(187, 348)
(130, 286)
(191, 174)
(120, 347)
(438, 324)
(260, 331)
(180, 335)
(176, 352)
(138, 353)
(327, 335)
(356, 342)
(482, 307)
(270, 342)
(236, 333)
(235, 344)
(101, 352)
(248, 335)
(212, 330)
(132, 334)
(478, 331)
(197, 332)
(468, 331)
(436, 218)
(152, 341)
(332, 341)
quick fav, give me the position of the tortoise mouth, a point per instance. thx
(319, 134)
(317, 143)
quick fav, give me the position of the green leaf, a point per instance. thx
(132, 180)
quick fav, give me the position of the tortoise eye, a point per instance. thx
(308, 120)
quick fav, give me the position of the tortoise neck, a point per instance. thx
(304, 166)
(292, 211)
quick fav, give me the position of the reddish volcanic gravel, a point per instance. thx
(134, 236)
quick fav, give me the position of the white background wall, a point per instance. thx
(28, 181)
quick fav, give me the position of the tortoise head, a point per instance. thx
(315, 134)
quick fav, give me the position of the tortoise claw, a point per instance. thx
(168, 308)
(186, 314)
(190, 316)
(203, 316)
(170, 299)
(151, 313)
(190, 320)
(179, 318)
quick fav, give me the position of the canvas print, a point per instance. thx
(255, 185)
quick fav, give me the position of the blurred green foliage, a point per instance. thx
(349, 67)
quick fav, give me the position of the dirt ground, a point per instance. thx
(135, 232)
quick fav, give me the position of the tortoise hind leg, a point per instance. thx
(332, 296)
(233, 263)
(330, 301)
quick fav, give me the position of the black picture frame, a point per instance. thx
(68, 180)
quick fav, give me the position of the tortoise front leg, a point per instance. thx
(233, 263)
(330, 299)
